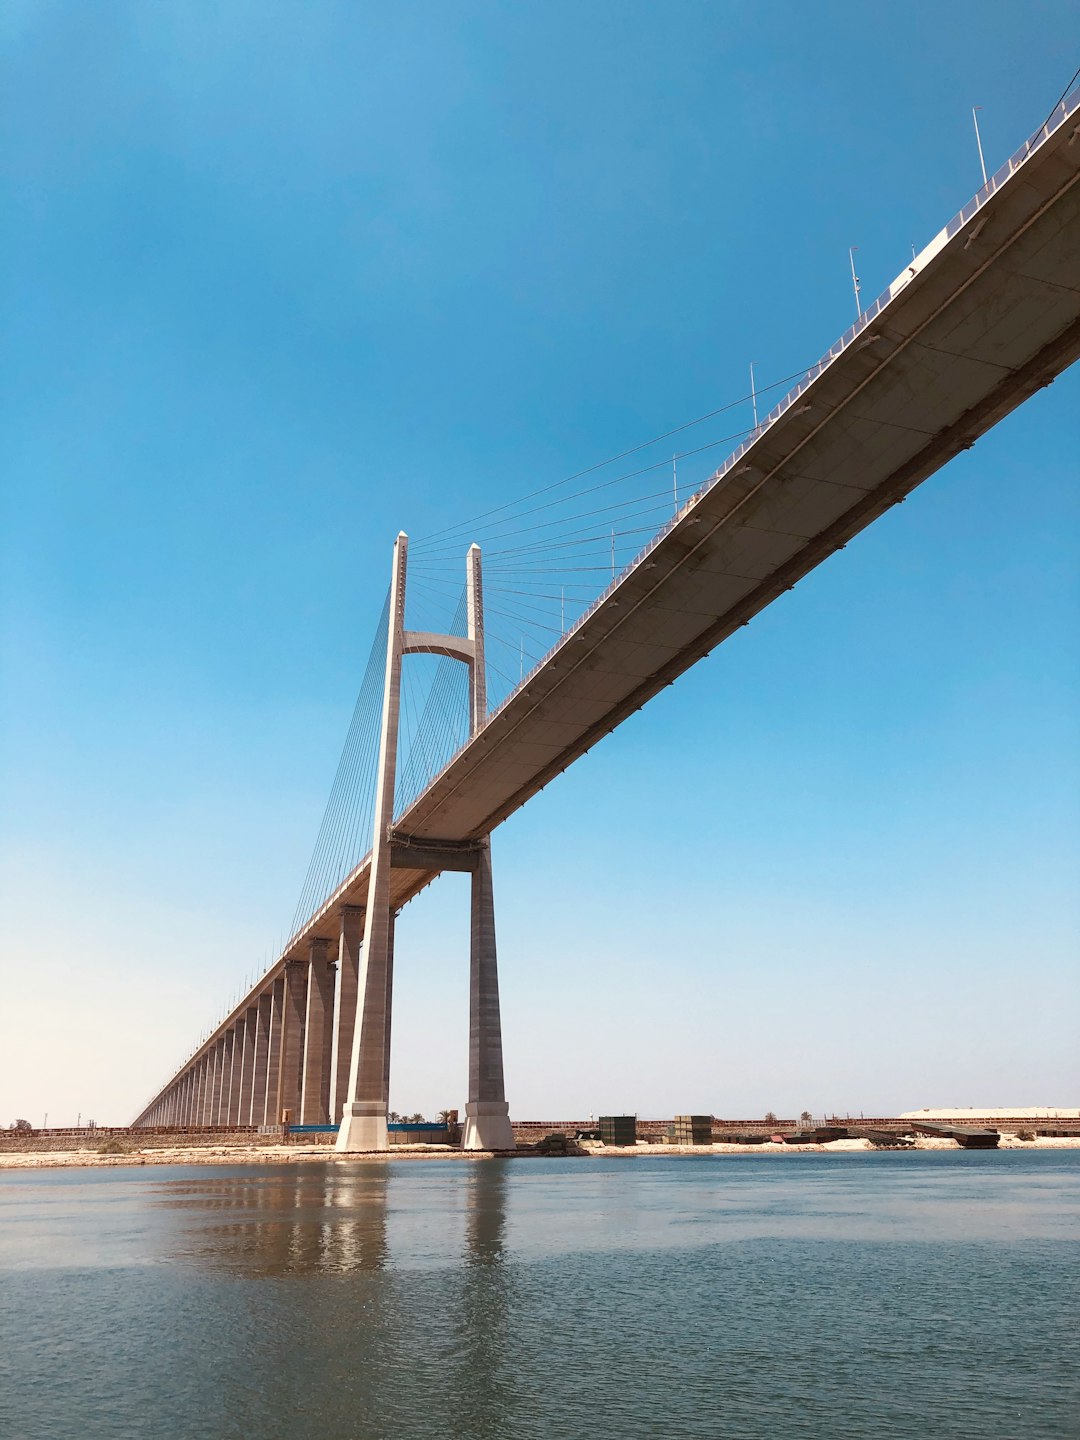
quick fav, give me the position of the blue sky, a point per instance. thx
(281, 280)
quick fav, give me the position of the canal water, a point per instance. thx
(900, 1295)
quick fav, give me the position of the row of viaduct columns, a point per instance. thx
(288, 1050)
(315, 1043)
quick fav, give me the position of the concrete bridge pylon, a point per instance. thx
(363, 1124)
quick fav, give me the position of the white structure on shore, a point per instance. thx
(975, 1112)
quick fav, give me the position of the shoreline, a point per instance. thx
(299, 1154)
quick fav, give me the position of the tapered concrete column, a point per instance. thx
(205, 1070)
(228, 1045)
(315, 1090)
(247, 1065)
(232, 1116)
(292, 1025)
(222, 1081)
(345, 992)
(197, 1095)
(221, 1102)
(391, 929)
(262, 1058)
(272, 1115)
(363, 1122)
(487, 1115)
(208, 1087)
(213, 1084)
(185, 1109)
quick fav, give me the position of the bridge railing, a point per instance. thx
(1057, 117)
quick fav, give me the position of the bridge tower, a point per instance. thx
(366, 1100)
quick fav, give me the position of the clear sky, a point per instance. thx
(279, 280)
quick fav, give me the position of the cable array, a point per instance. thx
(348, 818)
(550, 553)
(434, 712)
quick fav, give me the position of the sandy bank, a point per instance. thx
(297, 1154)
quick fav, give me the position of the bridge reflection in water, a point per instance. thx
(330, 1220)
(387, 1279)
(281, 1220)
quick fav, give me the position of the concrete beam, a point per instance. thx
(425, 855)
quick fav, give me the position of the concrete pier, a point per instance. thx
(350, 939)
(271, 1115)
(363, 1120)
(247, 1065)
(487, 1114)
(261, 1059)
(292, 1024)
(318, 1017)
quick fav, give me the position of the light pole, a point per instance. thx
(978, 139)
(855, 280)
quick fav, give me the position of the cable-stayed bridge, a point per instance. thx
(610, 591)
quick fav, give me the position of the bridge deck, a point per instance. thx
(987, 314)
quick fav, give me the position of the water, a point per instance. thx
(913, 1295)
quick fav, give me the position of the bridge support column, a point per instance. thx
(487, 1115)
(271, 1115)
(232, 1074)
(363, 1120)
(261, 1058)
(247, 1065)
(345, 992)
(315, 1087)
(208, 1087)
(292, 1022)
(205, 1077)
(214, 1093)
(196, 1093)
(221, 1103)
(240, 1066)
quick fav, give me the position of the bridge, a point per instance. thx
(987, 314)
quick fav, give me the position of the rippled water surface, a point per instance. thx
(914, 1295)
